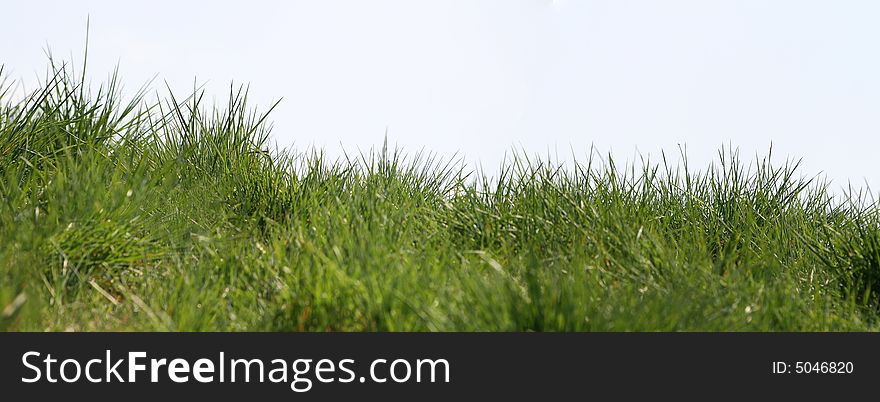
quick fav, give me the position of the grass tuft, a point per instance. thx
(176, 215)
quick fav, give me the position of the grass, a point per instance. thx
(175, 215)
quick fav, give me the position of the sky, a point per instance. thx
(478, 79)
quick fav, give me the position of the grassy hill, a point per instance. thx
(133, 215)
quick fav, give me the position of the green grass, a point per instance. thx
(173, 215)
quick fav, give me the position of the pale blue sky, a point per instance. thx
(480, 77)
